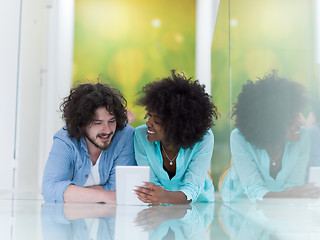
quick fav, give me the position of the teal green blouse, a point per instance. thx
(249, 176)
(192, 166)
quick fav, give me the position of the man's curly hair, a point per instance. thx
(184, 108)
(266, 108)
(79, 107)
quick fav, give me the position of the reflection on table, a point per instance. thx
(28, 217)
(103, 221)
(77, 221)
(272, 219)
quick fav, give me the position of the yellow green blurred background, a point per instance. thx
(253, 37)
(130, 43)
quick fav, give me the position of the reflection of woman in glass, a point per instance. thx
(176, 221)
(176, 141)
(240, 226)
(315, 138)
(269, 147)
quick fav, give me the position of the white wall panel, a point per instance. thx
(9, 53)
(29, 94)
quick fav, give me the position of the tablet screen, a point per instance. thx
(127, 178)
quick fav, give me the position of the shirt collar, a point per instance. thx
(83, 144)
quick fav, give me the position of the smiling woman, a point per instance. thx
(176, 142)
(155, 130)
(269, 147)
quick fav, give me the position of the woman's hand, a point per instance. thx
(151, 193)
(155, 194)
(309, 190)
(154, 216)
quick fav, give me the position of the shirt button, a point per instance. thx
(86, 176)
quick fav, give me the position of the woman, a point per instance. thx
(176, 142)
(269, 147)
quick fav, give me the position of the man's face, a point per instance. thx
(100, 132)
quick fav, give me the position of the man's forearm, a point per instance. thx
(81, 194)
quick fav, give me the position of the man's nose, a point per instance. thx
(106, 128)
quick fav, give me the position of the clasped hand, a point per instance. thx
(151, 193)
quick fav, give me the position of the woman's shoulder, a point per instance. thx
(208, 136)
(141, 132)
(236, 135)
(235, 131)
(207, 142)
(237, 140)
(141, 129)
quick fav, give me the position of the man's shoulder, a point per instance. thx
(127, 130)
(64, 136)
(62, 133)
(123, 135)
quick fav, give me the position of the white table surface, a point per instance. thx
(27, 216)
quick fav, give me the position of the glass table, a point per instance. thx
(27, 216)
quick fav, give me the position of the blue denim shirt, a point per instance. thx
(55, 225)
(69, 162)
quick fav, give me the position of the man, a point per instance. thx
(96, 139)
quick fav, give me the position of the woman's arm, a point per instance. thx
(196, 173)
(151, 218)
(245, 165)
(304, 191)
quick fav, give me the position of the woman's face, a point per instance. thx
(293, 131)
(155, 128)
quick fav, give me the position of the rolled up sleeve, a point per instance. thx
(57, 173)
(246, 168)
(197, 171)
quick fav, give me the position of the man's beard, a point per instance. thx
(104, 147)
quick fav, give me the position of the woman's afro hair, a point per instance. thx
(266, 108)
(183, 106)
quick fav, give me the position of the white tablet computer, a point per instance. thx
(127, 178)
